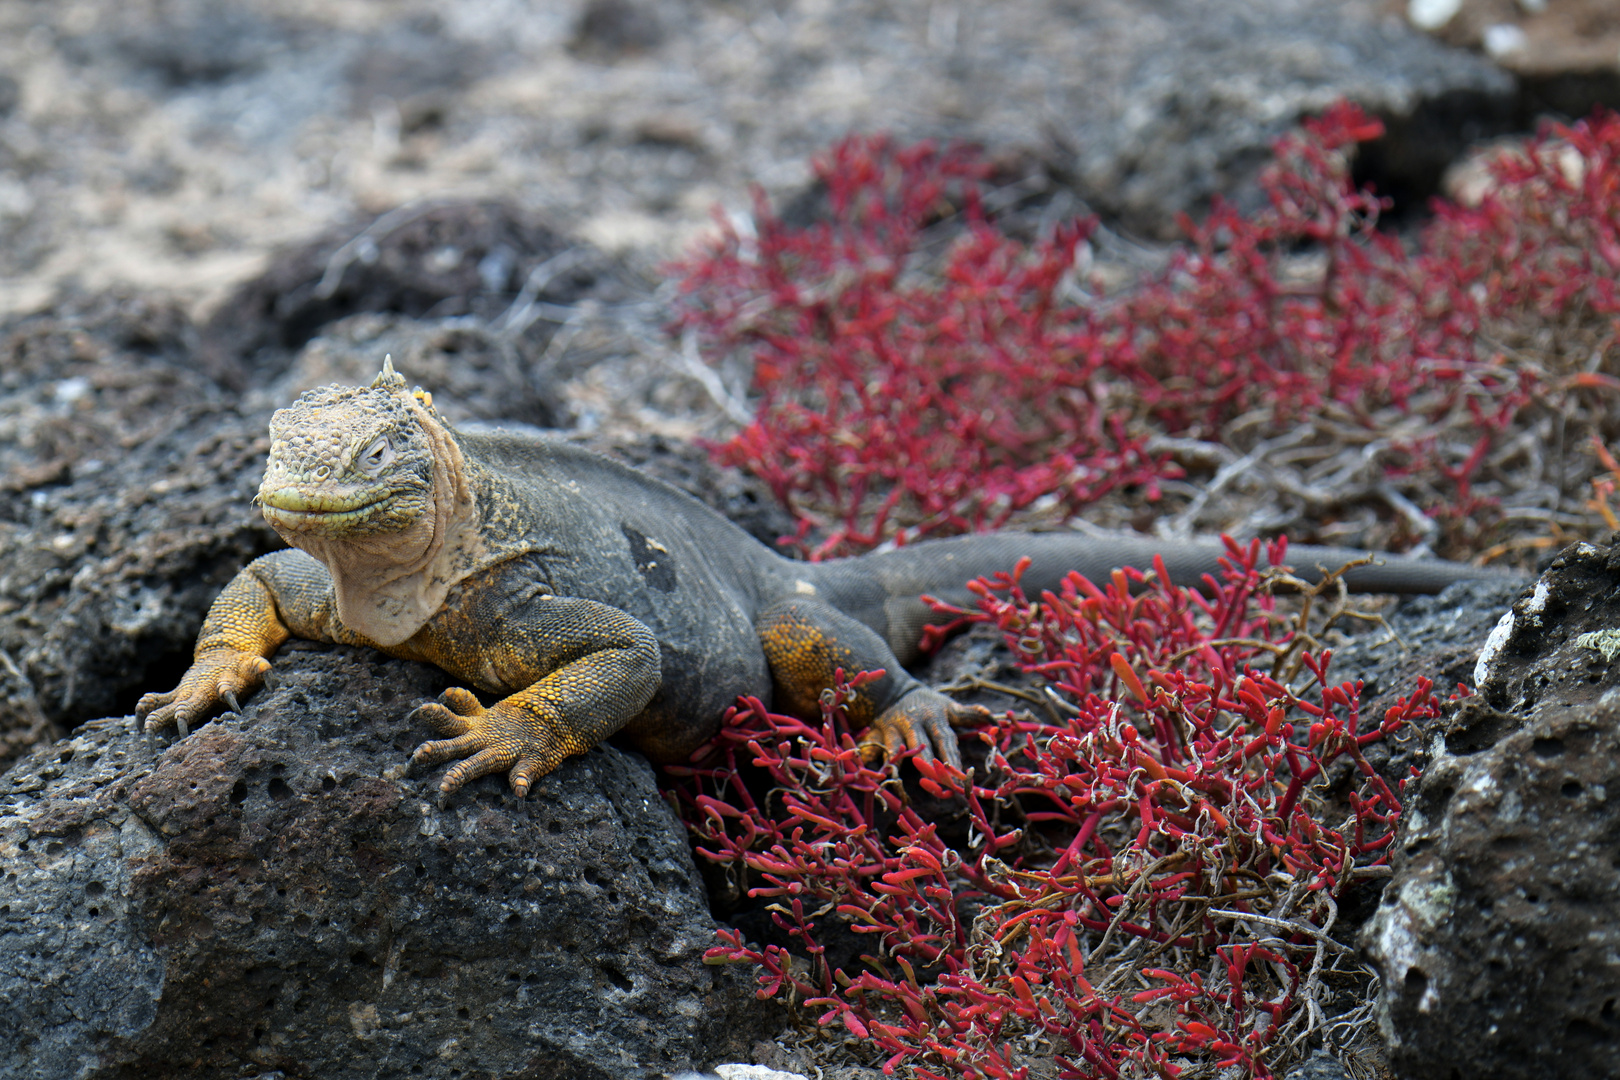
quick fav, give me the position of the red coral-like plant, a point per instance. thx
(948, 403)
(1150, 876)
(902, 394)
(1148, 885)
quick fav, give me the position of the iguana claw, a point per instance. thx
(216, 676)
(923, 720)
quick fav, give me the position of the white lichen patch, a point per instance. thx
(1606, 642)
(1482, 784)
(1430, 902)
(1531, 608)
(1394, 941)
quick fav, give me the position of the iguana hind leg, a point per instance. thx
(806, 642)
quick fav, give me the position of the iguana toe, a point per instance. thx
(442, 750)
(524, 774)
(215, 678)
(449, 715)
(488, 760)
(440, 719)
(921, 721)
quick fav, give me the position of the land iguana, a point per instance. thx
(594, 600)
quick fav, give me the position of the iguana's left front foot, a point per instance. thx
(519, 739)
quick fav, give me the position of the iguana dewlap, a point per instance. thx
(590, 599)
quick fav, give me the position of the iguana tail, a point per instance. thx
(940, 568)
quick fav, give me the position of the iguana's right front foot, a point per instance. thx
(217, 676)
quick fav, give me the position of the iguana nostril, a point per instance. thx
(323, 472)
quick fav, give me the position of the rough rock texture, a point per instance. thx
(275, 893)
(1434, 637)
(1191, 95)
(1497, 936)
(487, 262)
(1319, 1066)
(129, 480)
(475, 374)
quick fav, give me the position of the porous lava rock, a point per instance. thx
(1179, 102)
(125, 507)
(474, 373)
(1319, 1066)
(276, 893)
(1434, 637)
(1496, 940)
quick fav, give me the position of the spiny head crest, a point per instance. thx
(389, 379)
(349, 461)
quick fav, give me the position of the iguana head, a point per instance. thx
(350, 461)
(370, 481)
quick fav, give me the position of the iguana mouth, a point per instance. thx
(294, 509)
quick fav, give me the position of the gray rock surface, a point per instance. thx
(474, 266)
(1496, 936)
(1319, 1066)
(1435, 637)
(126, 504)
(274, 893)
(1167, 105)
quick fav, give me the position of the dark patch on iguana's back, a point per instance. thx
(655, 562)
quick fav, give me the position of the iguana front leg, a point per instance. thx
(280, 595)
(589, 667)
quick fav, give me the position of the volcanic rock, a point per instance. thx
(1496, 937)
(275, 892)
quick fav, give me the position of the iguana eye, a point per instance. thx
(377, 456)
